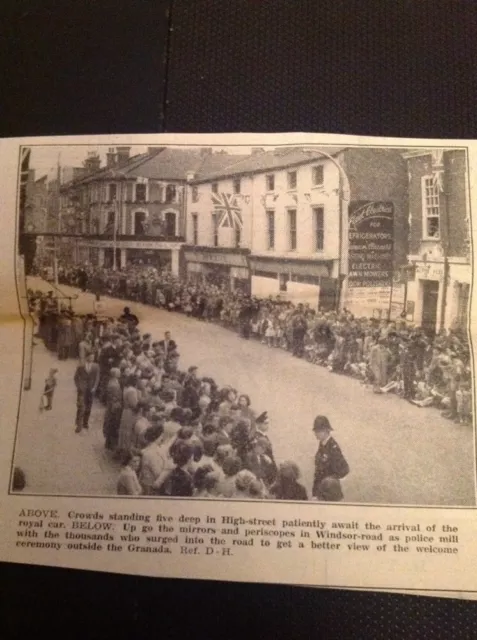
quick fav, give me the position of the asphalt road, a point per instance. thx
(398, 453)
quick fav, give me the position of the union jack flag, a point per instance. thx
(226, 205)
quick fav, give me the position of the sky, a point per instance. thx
(44, 159)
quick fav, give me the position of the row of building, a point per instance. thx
(379, 230)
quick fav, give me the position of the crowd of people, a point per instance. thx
(388, 356)
(174, 432)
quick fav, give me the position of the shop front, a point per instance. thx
(440, 301)
(133, 252)
(299, 281)
(223, 267)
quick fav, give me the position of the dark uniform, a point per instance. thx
(329, 463)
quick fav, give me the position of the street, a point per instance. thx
(398, 453)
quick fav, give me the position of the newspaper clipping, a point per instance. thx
(240, 357)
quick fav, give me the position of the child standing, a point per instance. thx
(49, 390)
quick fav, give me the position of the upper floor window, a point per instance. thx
(171, 193)
(195, 228)
(141, 192)
(318, 175)
(291, 179)
(195, 194)
(237, 185)
(215, 229)
(431, 208)
(270, 229)
(270, 178)
(292, 229)
(215, 187)
(112, 192)
(319, 228)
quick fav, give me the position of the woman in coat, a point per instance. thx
(128, 416)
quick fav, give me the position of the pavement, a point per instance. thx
(398, 453)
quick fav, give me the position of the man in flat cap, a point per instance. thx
(330, 463)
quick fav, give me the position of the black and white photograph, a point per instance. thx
(246, 323)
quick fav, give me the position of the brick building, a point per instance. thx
(134, 208)
(439, 243)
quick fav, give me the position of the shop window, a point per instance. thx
(431, 208)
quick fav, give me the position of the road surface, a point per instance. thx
(398, 453)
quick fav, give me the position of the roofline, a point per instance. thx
(216, 177)
(417, 153)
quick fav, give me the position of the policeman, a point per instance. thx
(330, 463)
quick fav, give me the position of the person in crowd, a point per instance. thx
(179, 481)
(330, 463)
(167, 345)
(129, 318)
(230, 467)
(86, 381)
(286, 485)
(128, 483)
(128, 415)
(114, 405)
(18, 480)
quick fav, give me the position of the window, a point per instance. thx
(195, 228)
(319, 228)
(113, 188)
(291, 179)
(238, 236)
(170, 193)
(141, 192)
(215, 229)
(271, 229)
(318, 175)
(215, 187)
(195, 194)
(270, 182)
(431, 208)
(292, 229)
(237, 185)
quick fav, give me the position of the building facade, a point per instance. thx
(134, 209)
(440, 273)
(276, 222)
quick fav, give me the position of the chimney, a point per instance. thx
(123, 155)
(111, 158)
(92, 162)
(205, 151)
(257, 151)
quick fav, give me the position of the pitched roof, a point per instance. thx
(279, 158)
(164, 163)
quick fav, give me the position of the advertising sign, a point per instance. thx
(371, 244)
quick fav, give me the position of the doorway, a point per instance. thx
(430, 293)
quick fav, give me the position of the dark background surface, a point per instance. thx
(401, 68)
